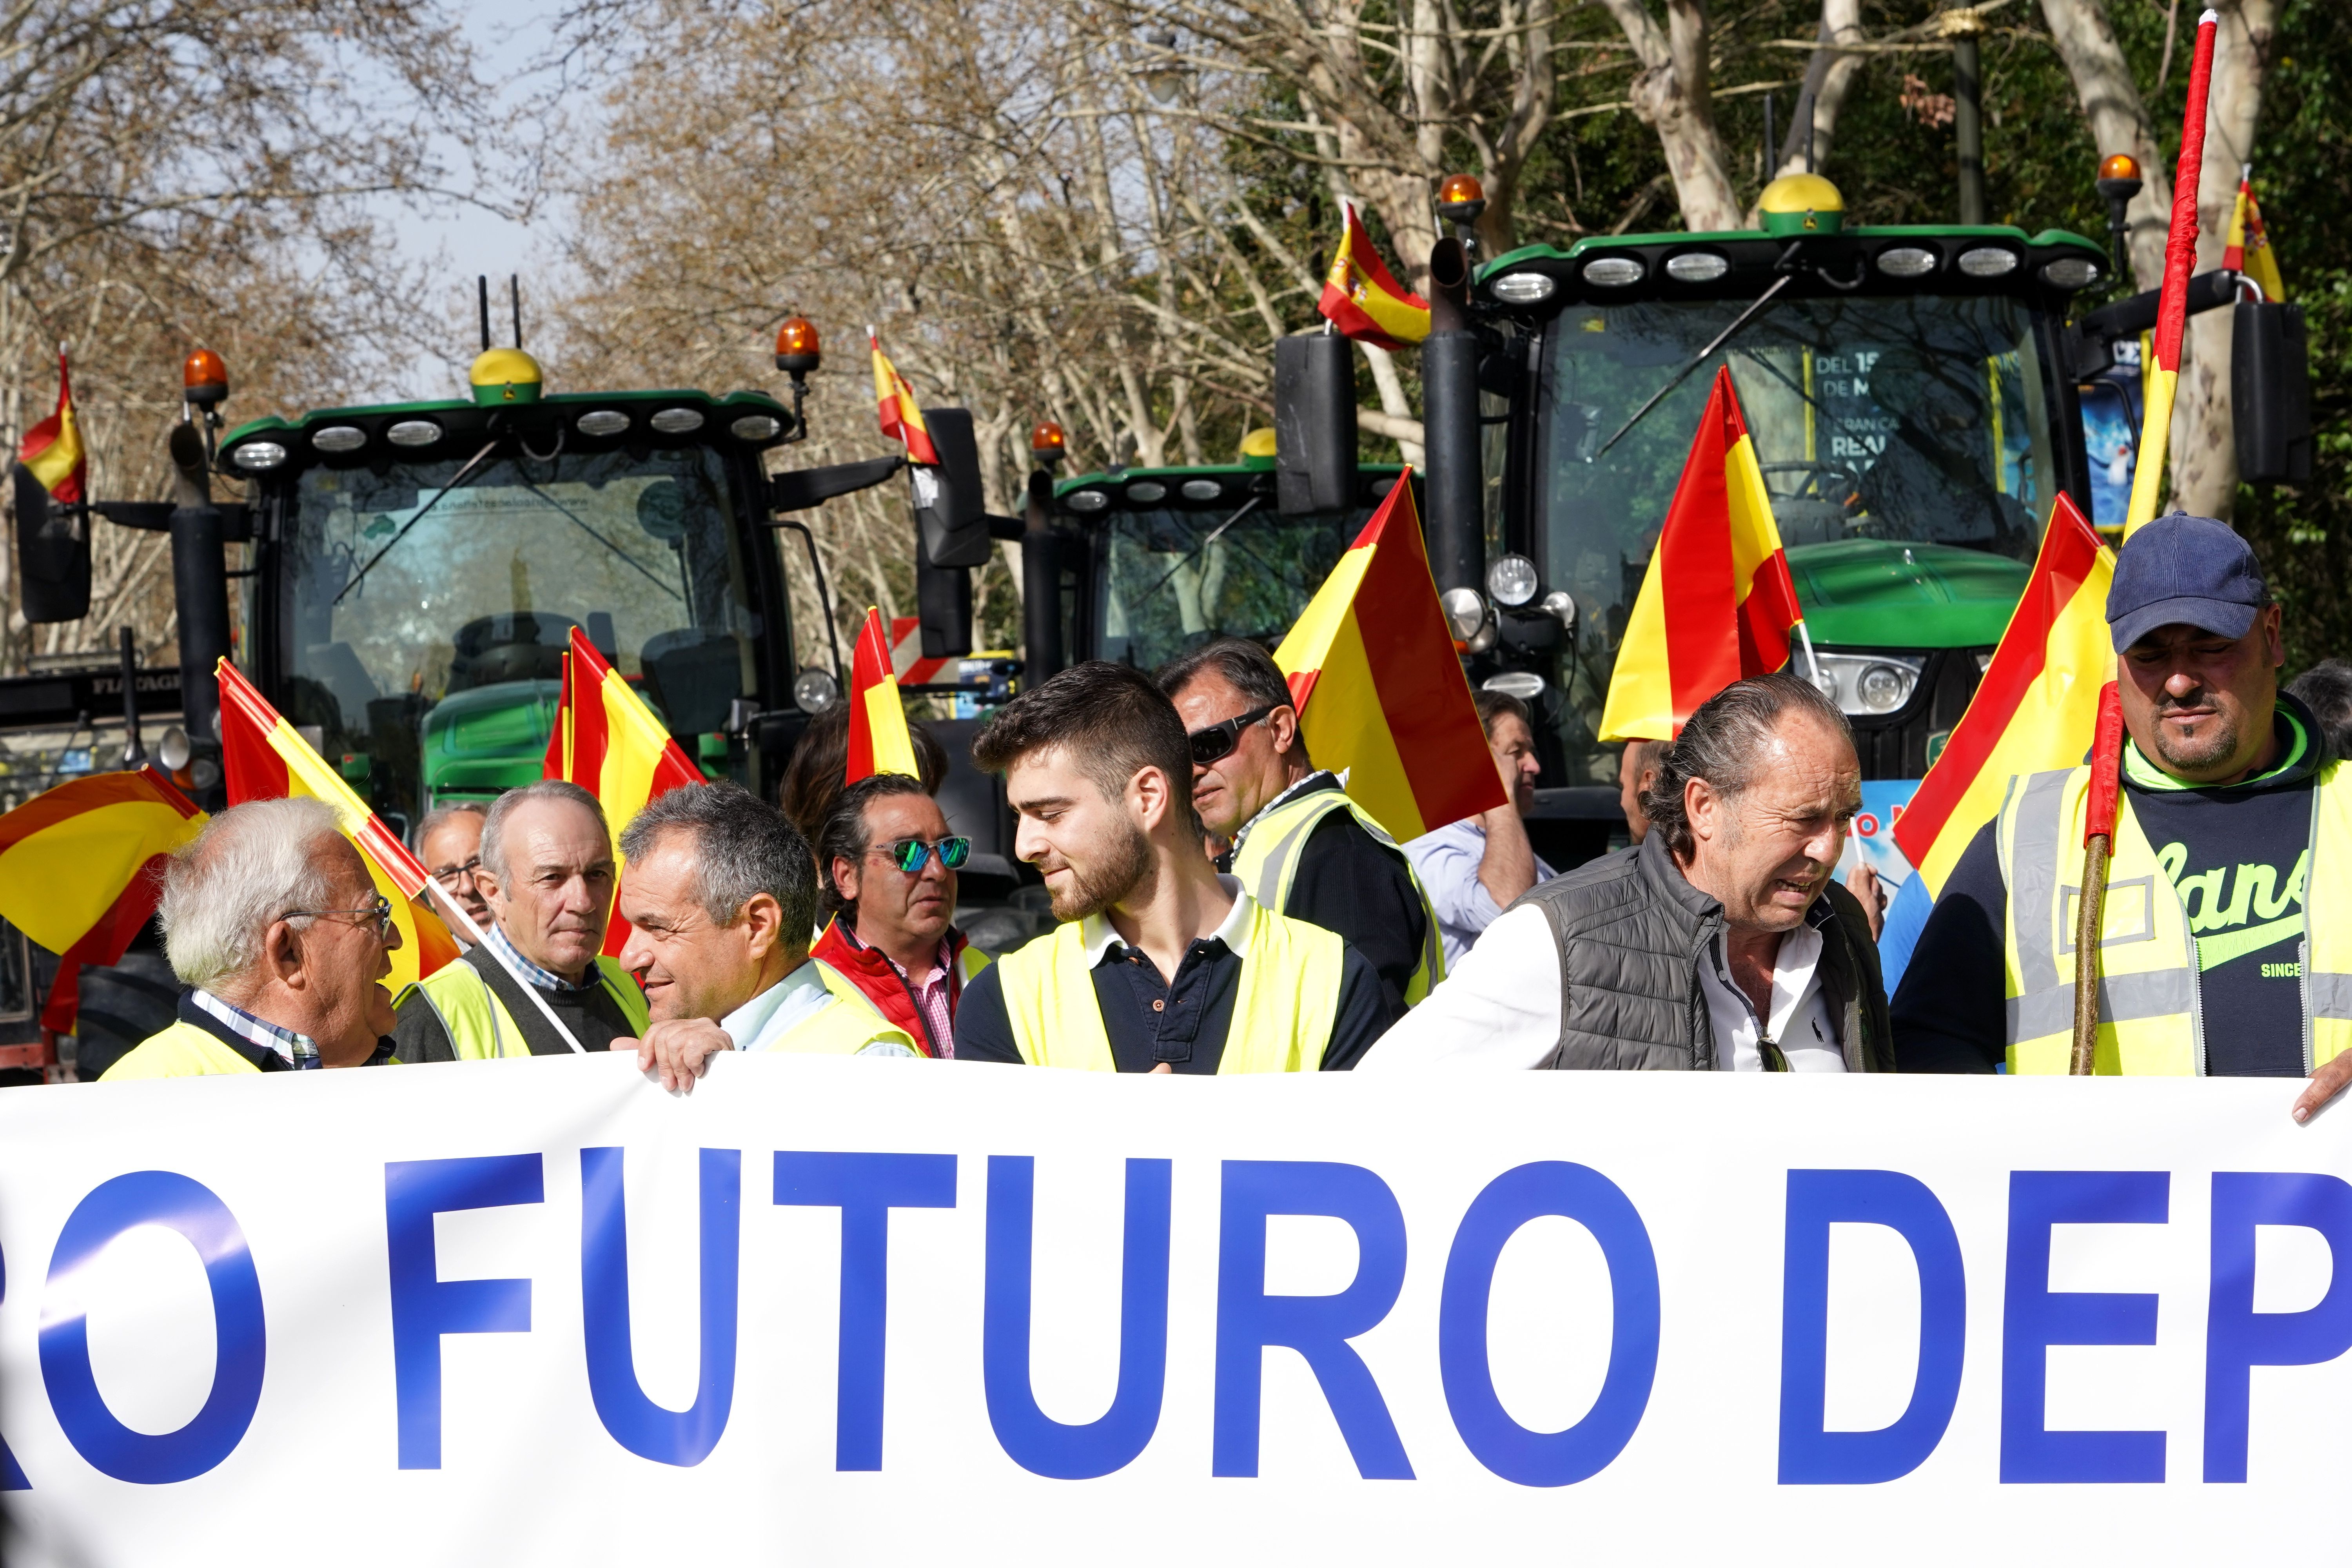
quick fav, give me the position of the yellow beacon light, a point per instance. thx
(1797, 205)
(505, 375)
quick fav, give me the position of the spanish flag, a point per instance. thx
(2163, 365)
(609, 742)
(2249, 251)
(878, 741)
(52, 450)
(267, 759)
(2036, 706)
(1732, 603)
(1381, 694)
(81, 869)
(895, 400)
(1363, 299)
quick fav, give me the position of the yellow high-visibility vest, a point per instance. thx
(2151, 1021)
(178, 1050)
(847, 1026)
(1283, 1017)
(478, 1024)
(1266, 861)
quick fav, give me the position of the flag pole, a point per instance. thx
(1812, 664)
(481, 940)
(2098, 840)
(2155, 435)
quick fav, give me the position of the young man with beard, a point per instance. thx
(1162, 964)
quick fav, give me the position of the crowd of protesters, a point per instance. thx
(1221, 905)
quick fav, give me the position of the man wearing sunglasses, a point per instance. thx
(1160, 966)
(889, 864)
(1299, 844)
(281, 942)
(546, 872)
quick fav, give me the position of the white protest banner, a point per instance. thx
(848, 1312)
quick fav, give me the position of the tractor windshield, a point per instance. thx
(1176, 579)
(423, 637)
(1905, 430)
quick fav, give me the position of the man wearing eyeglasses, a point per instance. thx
(449, 842)
(888, 865)
(282, 943)
(1301, 845)
(546, 873)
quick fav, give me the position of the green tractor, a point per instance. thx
(401, 581)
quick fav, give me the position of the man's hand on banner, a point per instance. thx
(2325, 1085)
(680, 1049)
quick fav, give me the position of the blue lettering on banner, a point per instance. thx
(1317, 1327)
(1075, 1451)
(1809, 1454)
(423, 1305)
(648, 1430)
(864, 1188)
(239, 1336)
(2034, 1317)
(2237, 1338)
(1509, 1202)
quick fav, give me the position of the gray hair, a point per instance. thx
(225, 889)
(440, 816)
(1725, 742)
(494, 848)
(743, 848)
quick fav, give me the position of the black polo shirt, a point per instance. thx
(1183, 1022)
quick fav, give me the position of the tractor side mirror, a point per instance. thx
(52, 554)
(950, 513)
(2270, 385)
(1314, 424)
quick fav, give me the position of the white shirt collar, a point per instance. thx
(1097, 936)
(1241, 833)
(768, 1016)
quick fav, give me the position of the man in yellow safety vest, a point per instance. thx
(1300, 846)
(1160, 965)
(282, 943)
(2221, 950)
(721, 899)
(546, 874)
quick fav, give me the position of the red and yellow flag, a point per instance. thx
(1380, 692)
(2162, 374)
(878, 741)
(81, 869)
(895, 400)
(609, 742)
(266, 758)
(1363, 299)
(2036, 706)
(52, 450)
(2249, 251)
(1732, 604)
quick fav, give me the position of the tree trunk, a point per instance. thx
(1829, 73)
(1673, 96)
(2120, 123)
(2204, 453)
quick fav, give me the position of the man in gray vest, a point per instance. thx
(1720, 941)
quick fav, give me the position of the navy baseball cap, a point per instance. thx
(2179, 570)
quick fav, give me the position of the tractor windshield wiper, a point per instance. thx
(455, 480)
(1214, 535)
(640, 567)
(1696, 361)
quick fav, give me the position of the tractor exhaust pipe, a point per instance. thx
(199, 584)
(1454, 482)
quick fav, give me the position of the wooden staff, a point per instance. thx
(2098, 840)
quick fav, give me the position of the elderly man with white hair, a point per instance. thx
(281, 942)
